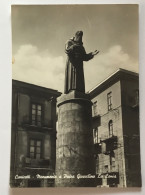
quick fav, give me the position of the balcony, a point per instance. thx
(109, 144)
(96, 117)
(45, 124)
(39, 163)
(35, 128)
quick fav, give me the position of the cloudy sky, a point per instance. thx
(39, 34)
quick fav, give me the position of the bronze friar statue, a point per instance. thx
(76, 54)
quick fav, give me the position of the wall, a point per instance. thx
(103, 132)
(23, 130)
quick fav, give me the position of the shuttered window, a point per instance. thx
(35, 149)
(36, 114)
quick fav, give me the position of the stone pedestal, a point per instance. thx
(75, 164)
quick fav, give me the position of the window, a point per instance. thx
(35, 149)
(103, 147)
(109, 100)
(95, 108)
(112, 159)
(36, 114)
(110, 125)
(95, 135)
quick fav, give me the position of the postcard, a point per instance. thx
(75, 96)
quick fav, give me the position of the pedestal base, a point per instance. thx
(75, 163)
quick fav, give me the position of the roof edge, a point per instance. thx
(33, 85)
(113, 75)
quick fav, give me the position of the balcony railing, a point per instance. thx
(106, 146)
(29, 162)
(111, 144)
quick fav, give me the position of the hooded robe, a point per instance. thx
(74, 72)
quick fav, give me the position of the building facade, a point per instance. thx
(33, 135)
(116, 133)
(116, 130)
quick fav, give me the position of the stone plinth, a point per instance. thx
(74, 153)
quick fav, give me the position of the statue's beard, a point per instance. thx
(78, 39)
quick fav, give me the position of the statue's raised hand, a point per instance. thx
(95, 52)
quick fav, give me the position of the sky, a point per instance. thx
(39, 33)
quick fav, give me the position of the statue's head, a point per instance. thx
(78, 36)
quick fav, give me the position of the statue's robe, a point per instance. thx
(74, 72)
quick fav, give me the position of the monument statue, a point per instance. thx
(76, 54)
(75, 154)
